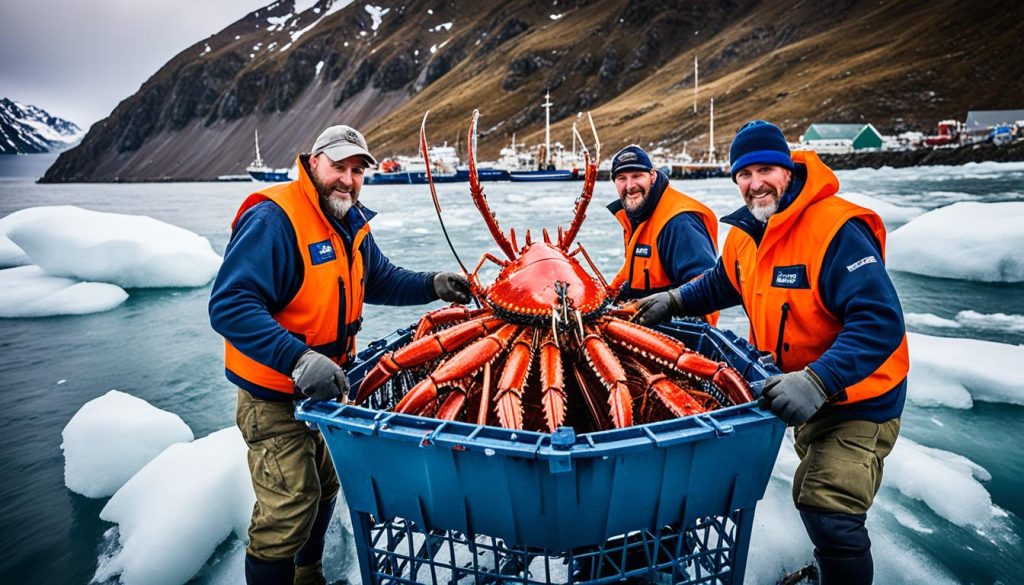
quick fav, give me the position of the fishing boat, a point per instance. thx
(522, 165)
(259, 170)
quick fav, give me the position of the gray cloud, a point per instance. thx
(78, 60)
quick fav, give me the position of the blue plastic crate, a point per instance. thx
(540, 496)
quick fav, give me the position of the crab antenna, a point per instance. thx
(433, 190)
(480, 199)
(580, 212)
(583, 145)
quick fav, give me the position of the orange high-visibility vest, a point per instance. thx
(330, 300)
(778, 280)
(642, 269)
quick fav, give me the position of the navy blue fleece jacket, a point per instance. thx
(863, 299)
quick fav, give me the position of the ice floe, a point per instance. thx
(27, 291)
(965, 240)
(954, 372)
(892, 215)
(111, 438)
(971, 319)
(128, 250)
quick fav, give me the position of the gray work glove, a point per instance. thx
(658, 307)
(793, 397)
(318, 377)
(452, 287)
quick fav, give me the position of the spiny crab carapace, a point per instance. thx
(545, 339)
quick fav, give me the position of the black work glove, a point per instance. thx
(452, 287)
(318, 377)
(793, 397)
(658, 307)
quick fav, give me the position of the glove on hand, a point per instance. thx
(319, 378)
(452, 287)
(658, 307)
(793, 397)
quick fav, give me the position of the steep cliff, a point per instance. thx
(900, 65)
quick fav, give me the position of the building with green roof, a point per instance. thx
(841, 138)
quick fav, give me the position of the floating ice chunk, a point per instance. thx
(111, 438)
(892, 215)
(1000, 321)
(10, 253)
(948, 483)
(928, 320)
(953, 372)
(966, 240)
(27, 291)
(127, 250)
(173, 513)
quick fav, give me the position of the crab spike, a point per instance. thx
(528, 239)
(565, 241)
(512, 237)
(480, 199)
(547, 238)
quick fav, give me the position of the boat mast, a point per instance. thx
(259, 159)
(694, 83)
(547, 129)
(711, 148)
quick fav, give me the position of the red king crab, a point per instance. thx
(545, 338)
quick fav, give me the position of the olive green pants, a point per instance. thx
(292, 474)
(841, 463)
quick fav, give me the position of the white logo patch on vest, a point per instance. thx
(642, 251)
(861, 262)
(321, 252)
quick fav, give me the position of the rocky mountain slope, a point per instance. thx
(290, 70)
(26, 129)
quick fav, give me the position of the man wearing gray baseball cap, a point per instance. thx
(288, 300)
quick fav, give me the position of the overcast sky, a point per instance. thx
(77, 59)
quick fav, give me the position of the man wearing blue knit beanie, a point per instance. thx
(807, 266)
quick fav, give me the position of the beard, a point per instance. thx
(333, 205)
(633, 206)
(763, 211)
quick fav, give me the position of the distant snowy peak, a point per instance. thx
(27, 129)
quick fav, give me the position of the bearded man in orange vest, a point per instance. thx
(670, 237)
(288, 300)
(807, 266)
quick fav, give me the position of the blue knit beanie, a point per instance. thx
(631, 158)
(758, 142)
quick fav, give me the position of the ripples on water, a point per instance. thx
(158, 345)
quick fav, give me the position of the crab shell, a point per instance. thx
(525, 287)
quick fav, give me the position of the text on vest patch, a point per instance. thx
(321, 252)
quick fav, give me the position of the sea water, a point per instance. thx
(158, 346)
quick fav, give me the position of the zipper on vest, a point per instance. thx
(779, 345)
(739, 287)
(647, 279)
(341, 343)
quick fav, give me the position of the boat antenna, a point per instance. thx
(433, 191)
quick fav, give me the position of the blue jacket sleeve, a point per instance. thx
(857, 290)
(709, 293)
(260, 274)
(685, 248)
(387, 284)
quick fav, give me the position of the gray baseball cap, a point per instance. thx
(341, 142)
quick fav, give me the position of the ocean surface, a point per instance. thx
(158, 346)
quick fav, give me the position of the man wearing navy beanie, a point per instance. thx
(670, 237)
(807, 266)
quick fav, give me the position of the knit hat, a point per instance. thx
(631, 158)
(759, 142)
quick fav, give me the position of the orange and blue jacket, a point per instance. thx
(814, 286)
(671, 243)
(294, 279)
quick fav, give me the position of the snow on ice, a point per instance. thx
(27, 291)
(111, 438)
(971, 319)
(176, 510)
(966, 240)
(131, 251)
(892, 215)
(954, 372)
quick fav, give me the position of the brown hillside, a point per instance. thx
(900, 65)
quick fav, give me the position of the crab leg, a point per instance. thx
(675, 398)
(456, 399)
(446, 316)
(509, 397)
(674, 353)
(423, 350)
(551, 383)
(480, 199)
(580, 211)
(464, 363)
(610, 371)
